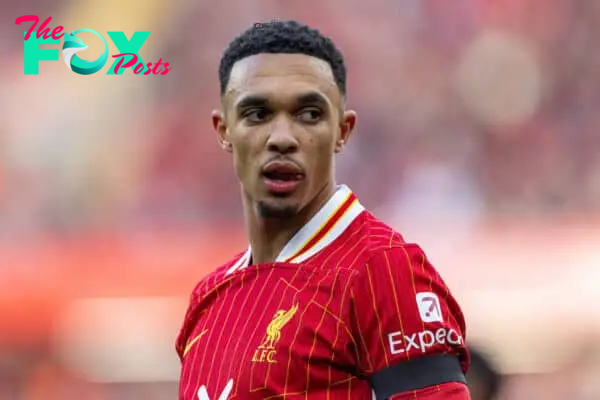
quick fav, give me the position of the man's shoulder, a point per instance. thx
(379, 247)
(217, 273)
(376, 237)
(201, 288)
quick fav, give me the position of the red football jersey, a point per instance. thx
(346, 298)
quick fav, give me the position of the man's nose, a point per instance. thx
(282, 139)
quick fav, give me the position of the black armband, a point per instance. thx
(417, 374)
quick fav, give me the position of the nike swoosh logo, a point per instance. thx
(193, 341)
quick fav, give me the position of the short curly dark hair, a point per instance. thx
(285, 37)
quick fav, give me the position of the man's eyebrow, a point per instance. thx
(252, 101)
(262, 101)
(312, 98)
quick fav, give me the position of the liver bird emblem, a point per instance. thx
(280, 319)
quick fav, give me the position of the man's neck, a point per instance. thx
(268, 237)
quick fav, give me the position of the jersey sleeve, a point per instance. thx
(194, 310)
(191, 316)
(409, 329)
(186, 326)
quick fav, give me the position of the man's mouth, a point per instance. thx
(282, 177)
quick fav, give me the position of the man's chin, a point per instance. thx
(277, 209)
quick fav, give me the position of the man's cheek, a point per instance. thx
(324, 161)
(241, 166)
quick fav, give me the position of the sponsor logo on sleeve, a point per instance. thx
(423, 341)
(429, 307)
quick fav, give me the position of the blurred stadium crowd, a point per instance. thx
(470, 112)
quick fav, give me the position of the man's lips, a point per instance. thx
(282, 177)
(282, 171)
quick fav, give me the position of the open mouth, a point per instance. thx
(282, 178)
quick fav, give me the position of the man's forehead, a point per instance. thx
(274, 72)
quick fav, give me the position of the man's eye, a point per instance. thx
(257, 115)
(310, 115)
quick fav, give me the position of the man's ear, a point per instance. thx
(220, 127)
(346, 128)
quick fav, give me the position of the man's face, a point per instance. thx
(283, 121)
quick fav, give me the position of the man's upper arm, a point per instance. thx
(408, 327)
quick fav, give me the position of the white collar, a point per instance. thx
(322, 229)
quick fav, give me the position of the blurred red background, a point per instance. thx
(478, 138)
